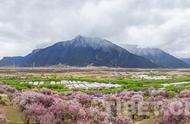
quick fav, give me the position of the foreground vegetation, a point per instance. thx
(50, 107)
(56, 104)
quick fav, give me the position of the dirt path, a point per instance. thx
(147, 121)
(14, 116)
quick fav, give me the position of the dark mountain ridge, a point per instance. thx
(83, 51)
(187, 60)
(158, 56)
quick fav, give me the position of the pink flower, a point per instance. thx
(123, 120)
(185, 93)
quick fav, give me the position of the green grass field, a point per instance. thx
(127, 83)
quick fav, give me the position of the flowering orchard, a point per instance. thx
(49, 107)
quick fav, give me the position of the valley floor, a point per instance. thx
(164, 84)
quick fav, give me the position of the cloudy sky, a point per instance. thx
(29, 24)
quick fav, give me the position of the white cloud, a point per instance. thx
(25, 25)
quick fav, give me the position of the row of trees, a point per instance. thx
(55, 108)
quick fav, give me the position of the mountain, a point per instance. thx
(84, 51)
(11, 61)
(158, 56)
(187, 60)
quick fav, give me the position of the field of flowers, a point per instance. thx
(43, 99)
(50, 107)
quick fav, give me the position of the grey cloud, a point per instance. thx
(25, 25)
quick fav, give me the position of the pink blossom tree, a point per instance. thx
(184, 94)
(123, 120)
(83, 98)
(173, 112)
